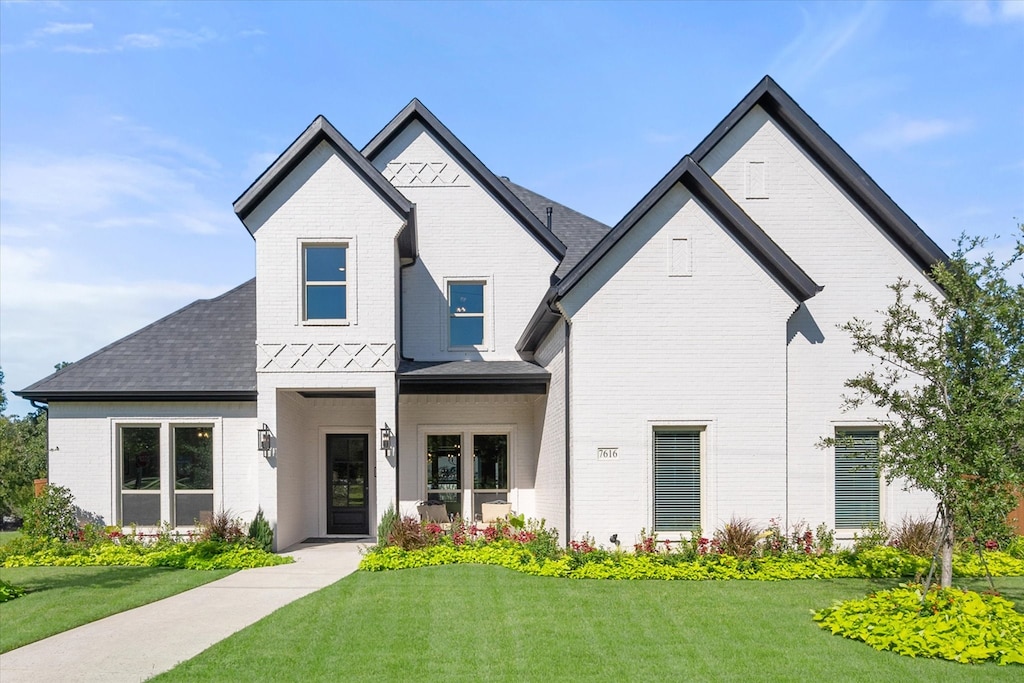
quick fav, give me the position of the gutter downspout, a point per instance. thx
(399, 342)
(568, 435)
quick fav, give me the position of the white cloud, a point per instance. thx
(103, 192)
(982, 12)
(74, 318)
(56, 28)
(822, 38)
(142, 40)
(899, 132)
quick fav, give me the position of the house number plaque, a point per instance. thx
(607, 453)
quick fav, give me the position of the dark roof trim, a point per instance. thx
(715, 200)
(416, 110)
(837, 163)
(147, 396)
(475, 387)
(319, 131)
(720, 205)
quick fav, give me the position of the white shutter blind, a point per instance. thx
(676, 480)
(857, 481)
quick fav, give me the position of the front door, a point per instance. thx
(348, 500)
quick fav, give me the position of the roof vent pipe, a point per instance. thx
(549, 217)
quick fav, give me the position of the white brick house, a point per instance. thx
(668, 373)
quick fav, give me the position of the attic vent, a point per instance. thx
(680, 258)
(757, 180)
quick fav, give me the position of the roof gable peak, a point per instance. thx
(320, 130)
(417, 111)
(836, 163)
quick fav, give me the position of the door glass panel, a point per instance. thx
(348, 471)
(444, 471)
(490, 462)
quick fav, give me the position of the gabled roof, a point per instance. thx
(417, 111)
(715, 201)
(204, 351)
(836, 162)
(319, 131)
(577, 232)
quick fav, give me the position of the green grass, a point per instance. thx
(466, 622)
(61, 598)
(8, 536)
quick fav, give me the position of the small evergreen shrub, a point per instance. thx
(260, 532)
(387, 522)
(51, 515)
(962, 626)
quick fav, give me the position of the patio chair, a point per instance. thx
(435, 512)
(492, 512)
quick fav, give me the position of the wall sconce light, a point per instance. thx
(263, 440)
(385, 437)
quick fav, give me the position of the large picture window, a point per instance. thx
(676, 479)
(147, 499)
(326, 282)
(857, 483)
(466, 322)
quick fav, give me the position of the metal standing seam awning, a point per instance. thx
(472, 377)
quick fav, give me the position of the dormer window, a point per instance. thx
(326, 282)
(466, 314)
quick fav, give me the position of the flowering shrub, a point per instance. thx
(950, 623)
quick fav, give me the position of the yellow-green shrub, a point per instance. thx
(950, 623)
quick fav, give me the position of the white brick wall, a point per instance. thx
(835, 243)
(549, 490)
(464, 234)
(706, 350)
(84, 454)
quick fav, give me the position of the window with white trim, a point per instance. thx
(465, 484)
(145, 496)
(325, 282)
(857, 482)
(466, 314)
(677, 479)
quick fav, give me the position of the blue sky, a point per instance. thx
(127, 129)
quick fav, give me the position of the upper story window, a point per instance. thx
(466, 314)
(326, 282)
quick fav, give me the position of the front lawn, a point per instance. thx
(60, 598)
(470, 622)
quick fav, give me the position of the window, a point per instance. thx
(676, 479)
(857, 483)
(140, 475)
(326, 282)
(146, 499)
(465, 314)
(193, 475)
(449, 474)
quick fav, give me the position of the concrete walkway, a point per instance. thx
(148, 640)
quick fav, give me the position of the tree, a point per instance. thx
(949, 373)
(22, 456)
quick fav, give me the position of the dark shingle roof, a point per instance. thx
(472, 377)
(206, 350)
(579, 233)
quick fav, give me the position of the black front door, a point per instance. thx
(348, 500)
